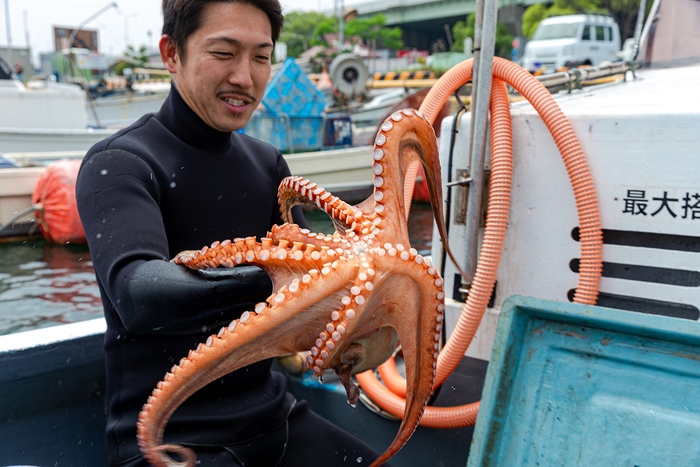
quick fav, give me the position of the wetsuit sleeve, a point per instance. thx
(118, 200)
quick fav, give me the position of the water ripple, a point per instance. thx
(45, 285)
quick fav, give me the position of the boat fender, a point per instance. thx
(55, 206)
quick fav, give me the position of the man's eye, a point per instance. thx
(221, 54)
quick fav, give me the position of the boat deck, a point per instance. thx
(52, 384)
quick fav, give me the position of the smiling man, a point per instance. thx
(177, 180)
(221, 71)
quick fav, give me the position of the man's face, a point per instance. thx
(226, 64)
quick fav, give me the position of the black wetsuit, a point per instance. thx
(169, 183)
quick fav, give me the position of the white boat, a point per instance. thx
(371, 112)
(44, 116)
(567, 383)
(347, 172)
(121, 110)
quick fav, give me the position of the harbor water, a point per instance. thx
(43, 284)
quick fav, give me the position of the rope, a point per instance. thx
(35, 207)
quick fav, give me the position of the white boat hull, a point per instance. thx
(344, 172)
(13, 140)
(121, 111)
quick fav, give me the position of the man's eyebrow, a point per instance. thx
(236, 42)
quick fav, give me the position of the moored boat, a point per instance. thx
(43, 116)
(346, 171)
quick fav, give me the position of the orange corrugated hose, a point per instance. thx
(494, 233)
(392, 399)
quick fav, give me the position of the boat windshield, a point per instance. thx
(5, 70)
(556, 31)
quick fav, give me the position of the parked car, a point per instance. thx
(571, 41)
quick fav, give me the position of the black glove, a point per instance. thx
(164, 297)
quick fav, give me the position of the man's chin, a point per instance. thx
(232, 124)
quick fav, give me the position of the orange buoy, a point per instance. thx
(420, 190)
(55, 206)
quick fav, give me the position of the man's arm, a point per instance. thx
(118, 200)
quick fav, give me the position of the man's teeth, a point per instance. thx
(236, 102)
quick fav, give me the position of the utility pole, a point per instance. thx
(9, 34)
(126, 28)
(25, 16)
(341, 33)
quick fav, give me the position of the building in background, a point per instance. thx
(84, 39)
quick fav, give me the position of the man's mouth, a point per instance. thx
(234, 102)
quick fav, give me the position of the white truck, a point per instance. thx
(571, 41)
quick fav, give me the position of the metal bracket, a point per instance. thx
(576, 82)
(463, 181)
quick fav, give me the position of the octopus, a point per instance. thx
(345, 299)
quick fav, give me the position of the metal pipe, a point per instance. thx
(583, 74)
(341, 34)
(485, 45)
(647, 26)
(26, 30)
(73, 67)
(638, 26)
(126, 28)
(81, 25)
(9, 34)
(476, 52)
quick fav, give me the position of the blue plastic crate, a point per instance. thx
(291, 115)
(287, 133)
(576, 385)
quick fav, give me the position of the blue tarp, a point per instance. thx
(6, 163)
(291, 115)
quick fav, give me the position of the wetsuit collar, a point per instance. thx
(186, 125)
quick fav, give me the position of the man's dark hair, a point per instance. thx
(181, 18)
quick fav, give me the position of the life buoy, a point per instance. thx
(54, 203)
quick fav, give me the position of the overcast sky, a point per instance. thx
(32, 21)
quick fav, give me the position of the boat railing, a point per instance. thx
(574, 77)
(41, 159)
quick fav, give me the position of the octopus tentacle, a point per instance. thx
(419, 331)
(298, 190)
(233, 347)
(292, 232)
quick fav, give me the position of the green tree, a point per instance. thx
(299, 32)
(373, 29)
(329, 25)
(366, 29)
(625, 13)
(132, 59)
(137, 58)
(463, 29)
(532, 18)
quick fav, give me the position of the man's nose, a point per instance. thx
(240, 73)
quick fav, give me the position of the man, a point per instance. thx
(19, 71)
(180, 179)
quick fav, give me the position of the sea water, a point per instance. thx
(42, 284)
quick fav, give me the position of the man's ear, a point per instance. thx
(168, 53)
